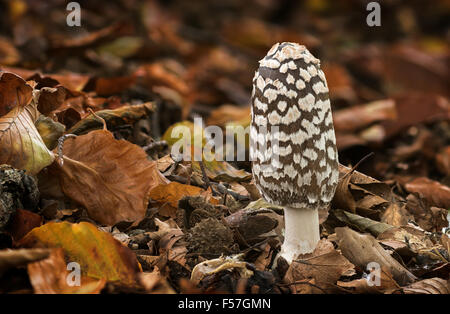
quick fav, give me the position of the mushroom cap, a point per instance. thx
(293, 145)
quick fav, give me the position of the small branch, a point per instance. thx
(205, 177)
(61, 141)
(98, 118)
(358, 163)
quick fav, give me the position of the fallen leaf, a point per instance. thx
(49, 130)
(426, 216)
(386, 284)
(362, 223)
(436, 193)
(114, 118)
(428, 286)
(110, 178)
(98, 253)
(18, 257)
(362, 249)
(354, 118)
(51, 98)
(325, 265)
(50, 276)
(23, 222)
(443, 160)
(167, 196)
(21, 146)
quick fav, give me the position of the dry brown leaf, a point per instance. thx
(354, 118)
(9, 55)
(50, 276)
(395, 215)
(411, 68)
(154, 283)
(21, 145)
(325, 265)
(228, 113)
(167, 196)
(427, 217)
(51, 98)
(436, 193)
(443, 160)
(414, 108)
(110, 178)
(387, 284)
(127, 114)
(362, 249)
(343, 198)
(428, 286)
(339, 82)
(14, 258)
(22, 223)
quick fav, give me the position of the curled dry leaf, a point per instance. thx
(325, 265)
(21, 145)
(343, 198)
(98, 253)
(214, 266)
(362, 249)
(361, 223)
(113, 118)
(167, 196)
(110, 178)
(428, 286)
(50, 98)
(50, 276)
(435, 192)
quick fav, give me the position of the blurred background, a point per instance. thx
(389, 85)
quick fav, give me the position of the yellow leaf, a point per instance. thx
(97, 252)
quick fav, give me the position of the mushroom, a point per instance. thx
(293, 145)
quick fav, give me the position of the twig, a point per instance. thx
(61, 141)
(222, 189)
(358, 163)
(98, 118)
(205, 178)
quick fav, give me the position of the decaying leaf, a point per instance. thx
(167, 196)
(386, 284)
(428, 286)
(362, 249)
(211, 267)
(110, 178)
(113, 118)
(362, 223)
(19, 257)
(325, 265)
(98, 253)
(51, 276)
(21, 146)
(435, 192)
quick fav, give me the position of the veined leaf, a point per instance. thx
(21, 145)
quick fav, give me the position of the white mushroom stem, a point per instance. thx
(301, 232)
